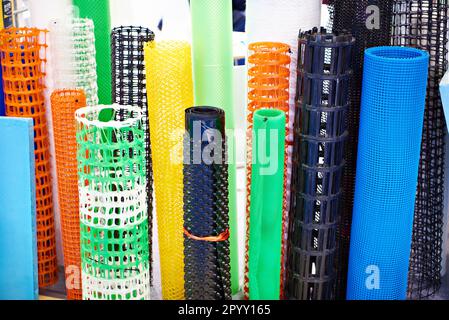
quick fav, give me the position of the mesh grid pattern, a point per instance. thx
(113, 213)
(268, 89)
(424, 25)
(73, 49)
(129, 88)
(64, 104)
(352, 16)
(206, 208)
(324, 70)
(22, 53)
(168, 67)
(394, 90)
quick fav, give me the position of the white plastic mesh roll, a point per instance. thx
(74, 64)
(280, 21)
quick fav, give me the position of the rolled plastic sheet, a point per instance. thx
(324, 69)
(73, 53)
(168, 68)
(129, 88)
(280, 21)
(18, 250)
(267, 194)
(22, 57)
(206, 211)
(64, 104)
(113, 207)
(213, 62)
(393, 99)
(99, 12)
(424, 25)
(354, 16)
(268, 85)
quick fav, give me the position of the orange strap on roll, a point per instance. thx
(224, 236)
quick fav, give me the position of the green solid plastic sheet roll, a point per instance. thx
(267, 189)
(99, 12)
(213, 62)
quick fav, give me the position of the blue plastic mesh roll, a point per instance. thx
(392, 112)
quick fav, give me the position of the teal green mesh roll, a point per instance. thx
(213, 62)
(113, 209)
(99, 12)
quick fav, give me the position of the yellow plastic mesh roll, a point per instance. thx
(170, 91)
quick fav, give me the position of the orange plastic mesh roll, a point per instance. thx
(269, 73)
(22, 53)
(64, 103)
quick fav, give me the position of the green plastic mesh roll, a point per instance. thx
(267, 192)
(99, 12)
(213, 86)
(113, 207)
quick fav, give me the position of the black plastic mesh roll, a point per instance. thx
(424, 25)
(129, 88)
(356, 16)
(206, 211)
(324, 72)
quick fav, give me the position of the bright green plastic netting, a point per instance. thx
(113, 209)
(213, 85)
(267, 192)
(99, 12)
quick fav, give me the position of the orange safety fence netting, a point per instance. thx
(64, 103)
(22, 53)
(268, 86)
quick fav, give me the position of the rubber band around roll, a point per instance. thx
(224, 236)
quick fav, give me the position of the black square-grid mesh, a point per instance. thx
(369, 21)
(424, 24)
(129, 88)
(324, 72)
(206, 208)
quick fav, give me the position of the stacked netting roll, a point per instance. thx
(206, 206)
(279, 21)
(23, 58)
(64, 104)
(99, 12)
(168, 67)
(113, 210)
(268, 89)
(369, 21)
(394, 92)
(324, 71)
(266, 212)
(424, 25)
(213, 62)
(74, 64)
(129, 88)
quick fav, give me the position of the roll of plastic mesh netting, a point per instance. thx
(424, 25)
(206, 210)
(98, 11)
(394, 92)
(324, 69)
(369, 21)
(213, 61)
(168, 67)
(64, 104)
(73, 51)
(129, 88)
(22, 53)
(267, 194)
(113, 208)
(279, 21)
(268, 85)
